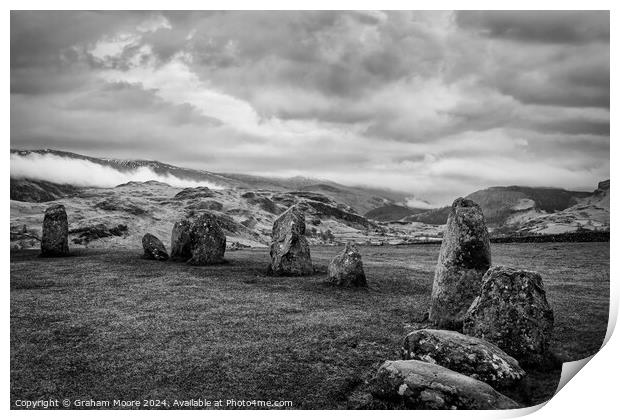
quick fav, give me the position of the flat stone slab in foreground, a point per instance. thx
(470, 356)
(422, 385)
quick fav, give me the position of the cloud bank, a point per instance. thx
(84, 173)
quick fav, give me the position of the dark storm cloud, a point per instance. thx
(412, 100)
(562, 27)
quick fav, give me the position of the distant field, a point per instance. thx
(108, 325)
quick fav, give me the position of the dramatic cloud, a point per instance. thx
(88, 174)
(437, 104)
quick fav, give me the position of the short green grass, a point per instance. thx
(106, 324)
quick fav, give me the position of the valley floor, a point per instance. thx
(106, 324)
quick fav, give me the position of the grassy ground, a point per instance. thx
(106, 325)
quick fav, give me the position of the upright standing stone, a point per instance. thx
(464, 257)
(180, 244)
(54, 240)
(207, 241)
(346, 269)
(513, 313)
(154, 249)
(290, 252)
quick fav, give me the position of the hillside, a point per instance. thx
(37, 191)
(392, 212)
(518, 210)
(247, 205)
(118, 217)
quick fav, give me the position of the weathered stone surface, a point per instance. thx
(346, 268)
(180, 245)
(464, 257)
(207, 241)
(290, 252)
(54, 239)
(154, 249)
(423, 385)
(512, 312)
(470, 356)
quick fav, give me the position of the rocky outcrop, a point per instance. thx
(114, 204)
(464, 257)
(290, 252)
(86, 234)
(54, 239)
(154, 249)
(470, 356)
(346, 269)
(38, 191)
(420, 385)
(180, 245)
(191, 193)
(512, 312)
(206, 205)
(207, 241)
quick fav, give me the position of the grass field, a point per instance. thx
(106, 324)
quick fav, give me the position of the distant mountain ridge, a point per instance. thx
(362, 199)
(516, 210)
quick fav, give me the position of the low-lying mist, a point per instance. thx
(83, 173)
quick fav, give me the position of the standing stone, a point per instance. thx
(290, 252)
(420, 385)
(154, 249)
(512, 312)
(346, 269)
(180, 244)
(54, 240)
(470, 356)
(207, 241)
(464, 257)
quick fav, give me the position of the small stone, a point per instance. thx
(154, 249)
(346, 268)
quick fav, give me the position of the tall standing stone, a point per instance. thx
(290, 252)
(54, 240)
(464, 257)
(180, 244)
(346, 269)
(207, 241)
(513, 313)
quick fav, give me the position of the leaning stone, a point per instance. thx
(470, 356)
(464, 257)
(154, 249)
(290, 252)
(207, 241)
(180, 245)
(54, 239)
(512, 312)
(421, 385)
(346, 269)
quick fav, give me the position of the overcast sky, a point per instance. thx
(438, 104)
